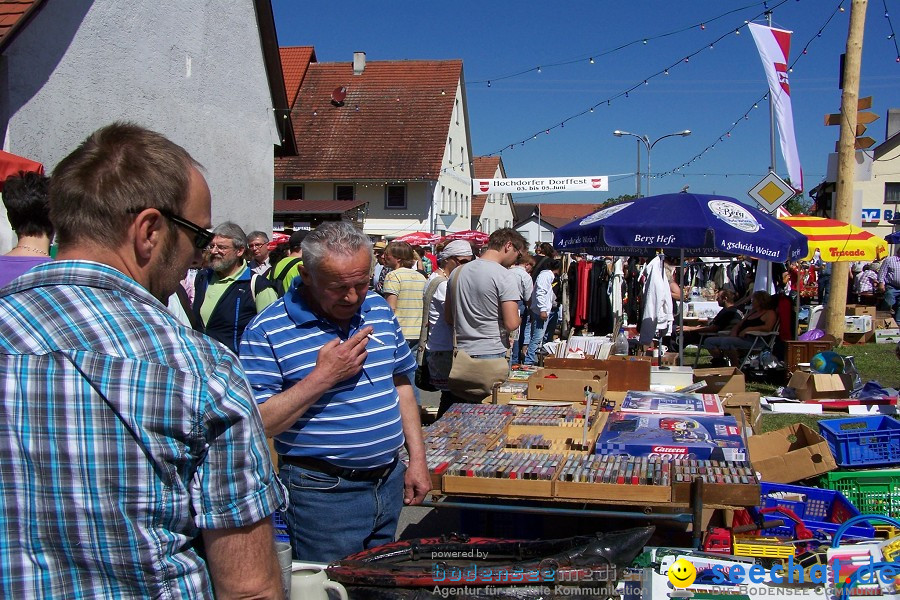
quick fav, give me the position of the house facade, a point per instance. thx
(384, 144)
(876, 184)
(538, 222)
(491, 212)
(70, 67)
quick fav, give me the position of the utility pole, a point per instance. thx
(837, 298)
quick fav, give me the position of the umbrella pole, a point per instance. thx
(681, 312)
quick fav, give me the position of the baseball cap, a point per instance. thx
(297, 239)
(456, 248)
(380, 245)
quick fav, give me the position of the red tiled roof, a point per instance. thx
(294, 63)
(316, 206)
(392, 126)
(13, 14)
(483, 167)
(566, 212)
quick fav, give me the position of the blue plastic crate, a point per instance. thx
(822, 511)
(863, 441)
(281, 530)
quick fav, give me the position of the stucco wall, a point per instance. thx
(191, 70)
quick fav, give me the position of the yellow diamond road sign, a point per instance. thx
(771, 192)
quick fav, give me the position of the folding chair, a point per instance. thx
(762, 341)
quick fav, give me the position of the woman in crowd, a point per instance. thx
(761, 317)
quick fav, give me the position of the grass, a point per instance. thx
(875, 362)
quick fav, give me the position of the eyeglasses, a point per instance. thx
(221, 247)
(202, 236)
(254, 245)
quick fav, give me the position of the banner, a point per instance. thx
(774, 45)
(524, 185)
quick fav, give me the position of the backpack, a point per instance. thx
(276, 280)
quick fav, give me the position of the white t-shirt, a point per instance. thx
(440, 337)
(526, 284)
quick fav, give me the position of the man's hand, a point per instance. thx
(417, 482)
(543, 315)
(338, 361)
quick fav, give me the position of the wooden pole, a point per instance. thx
(843, 203)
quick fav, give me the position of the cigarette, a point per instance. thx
(375, 339)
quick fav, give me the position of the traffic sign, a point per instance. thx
(771, 192)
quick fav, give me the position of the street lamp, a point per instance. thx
(649, 145)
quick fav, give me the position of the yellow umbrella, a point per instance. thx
(837, 241)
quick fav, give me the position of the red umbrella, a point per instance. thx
(278, 238)
(418, 238)
(10, 164)
(470, 235)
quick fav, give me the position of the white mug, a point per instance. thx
(311, 584)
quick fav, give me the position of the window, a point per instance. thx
(395, 197)
(507, 223)
(892, 193)
(454, 208)
(344, 192)
(492, 198)
(485, 225)
(450, 151)
(457, 111)
(496, 224)
(293, 192)
(502, 198)
(443, 200)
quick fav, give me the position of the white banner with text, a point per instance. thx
(520, 185)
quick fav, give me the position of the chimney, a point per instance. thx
(359, 62)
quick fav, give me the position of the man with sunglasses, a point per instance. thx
(134, 460)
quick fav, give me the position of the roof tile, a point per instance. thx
(392, 125)
(295, 61)
(11, 12)
(483, 167)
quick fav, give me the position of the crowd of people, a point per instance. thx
(146, 365)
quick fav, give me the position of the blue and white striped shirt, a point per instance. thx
(354, 425)
(122, 435)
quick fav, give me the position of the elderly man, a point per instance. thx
(227, 294)
(258, 245)
(330, 368)
(128, 438)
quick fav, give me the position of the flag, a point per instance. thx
(774, 45)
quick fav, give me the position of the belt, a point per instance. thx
(315, 464)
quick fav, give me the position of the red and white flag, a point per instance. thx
(774, 45)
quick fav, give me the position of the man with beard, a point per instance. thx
(228, 294)
(134, 460)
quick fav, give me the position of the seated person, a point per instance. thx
(761, 317)
(724, 320)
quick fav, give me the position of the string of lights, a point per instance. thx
(640, 83)
(746, 115)
(601, 53)
(892, 36)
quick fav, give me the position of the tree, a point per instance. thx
(798, 205)
(619, 199)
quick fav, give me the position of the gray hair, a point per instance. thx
(255, 235)
(234, 233)
(333, 237)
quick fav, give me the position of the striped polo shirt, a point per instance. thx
(354, 425)
(409, 287)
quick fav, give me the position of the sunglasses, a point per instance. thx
(202, 236)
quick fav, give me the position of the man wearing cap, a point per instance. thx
(286, 269)
(438, 335)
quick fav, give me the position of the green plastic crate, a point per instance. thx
(872, 492)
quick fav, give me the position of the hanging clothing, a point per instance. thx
(657, 315)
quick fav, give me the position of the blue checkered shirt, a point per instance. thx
(123, 435)
(889, 273)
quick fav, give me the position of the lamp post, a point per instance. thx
(649, 145)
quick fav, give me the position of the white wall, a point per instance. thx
(529, 230)
(191, 70)
(456, 174)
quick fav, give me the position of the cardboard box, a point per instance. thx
(727, 494)
(721, 381)
(884, 323)
(790, 454)
(860, 309)
(485, 486)
(887, 336)
(816, 386)
(565, 384)
(858, 324)
(747, 403)
(859, 338)
(623, 372)
(612, 491)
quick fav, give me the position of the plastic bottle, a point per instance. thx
(621, 345)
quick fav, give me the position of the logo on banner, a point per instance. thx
(871, 215)
(484, 186)
(735, 215)
(606, 212)
(596, 183)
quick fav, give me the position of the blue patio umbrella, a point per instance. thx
(683, 224)
(893, 238)
(698, 224)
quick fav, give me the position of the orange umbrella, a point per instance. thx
(10, 164)
(837, 241)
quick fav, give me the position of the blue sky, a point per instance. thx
(707, 94)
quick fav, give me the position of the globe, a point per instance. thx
(827, 362)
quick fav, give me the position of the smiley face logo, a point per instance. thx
(682, 573)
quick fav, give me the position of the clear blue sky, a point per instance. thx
(706, 94)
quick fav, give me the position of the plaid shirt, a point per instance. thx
(124, 434)
(889, 273)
